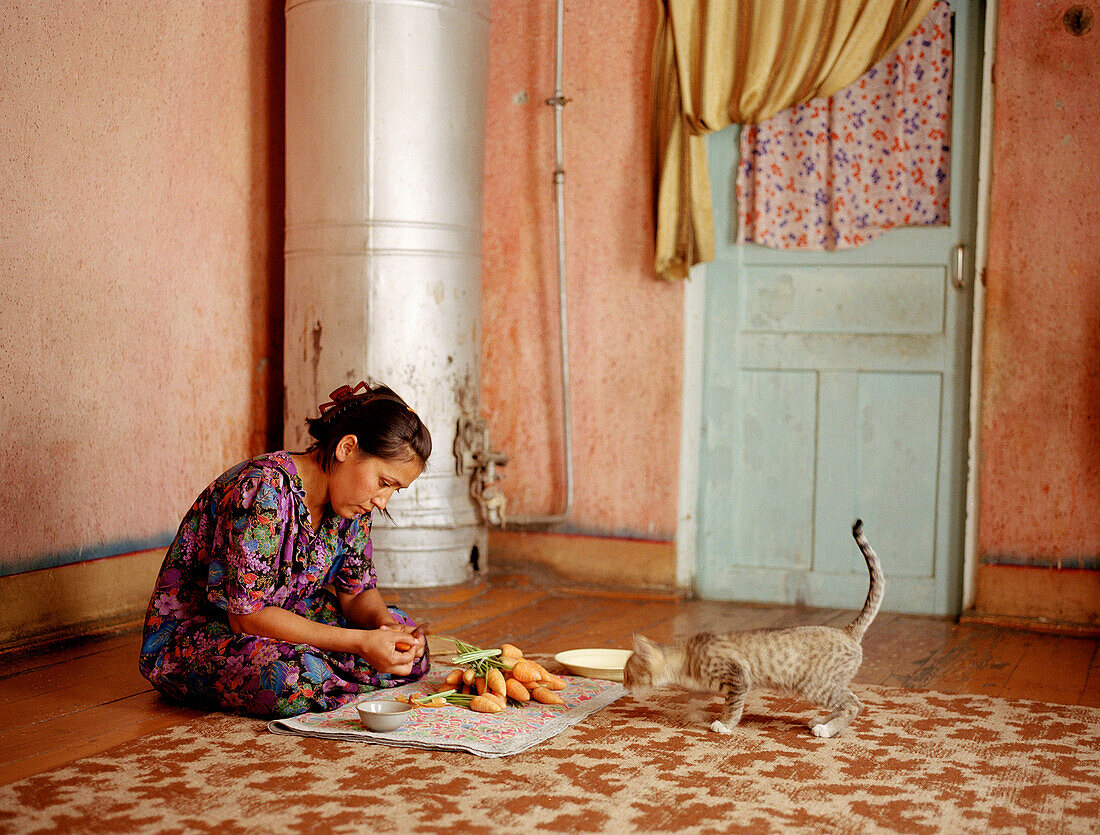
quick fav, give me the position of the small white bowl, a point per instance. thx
(383, 716)
(595, 663)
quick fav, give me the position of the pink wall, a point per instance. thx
(626, 328)
(1040, 478)
(140, 215)
(141, 265)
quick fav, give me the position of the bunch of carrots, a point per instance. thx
(490, 680)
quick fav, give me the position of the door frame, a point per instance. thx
(691, 401)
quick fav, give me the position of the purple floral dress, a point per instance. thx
(246, 544)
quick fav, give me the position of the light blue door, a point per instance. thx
(835, 387)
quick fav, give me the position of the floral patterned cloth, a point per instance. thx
(453, 728)
(839, 171)
(246, 544)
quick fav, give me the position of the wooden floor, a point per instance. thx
(87, 696)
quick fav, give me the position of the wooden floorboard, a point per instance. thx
(1091, 694)
(978, 659)
(13, 663)
(86, 697)
(81, 682)
(1055, 665)
(901, 650)
(596, 623)
(38, 746)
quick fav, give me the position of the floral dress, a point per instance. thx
(246, 544)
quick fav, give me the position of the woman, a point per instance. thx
(266, 602)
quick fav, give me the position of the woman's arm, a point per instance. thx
(379, 647)
(368, 610)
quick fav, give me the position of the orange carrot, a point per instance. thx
(525, 671)
(515, 690)
(511, 651)
(553, 682)
(545, 675)
(479, 682)
(547, 697)
(494, 681)
(468, 677)
(485, 704)
(454, 677)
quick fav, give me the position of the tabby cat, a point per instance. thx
(814, 662)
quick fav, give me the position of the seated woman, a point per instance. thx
(266, 602)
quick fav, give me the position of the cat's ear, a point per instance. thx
(643, 647)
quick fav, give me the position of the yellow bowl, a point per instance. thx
(595, 663)
(383, 716)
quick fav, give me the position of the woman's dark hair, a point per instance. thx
(383, 424)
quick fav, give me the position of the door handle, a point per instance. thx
(958, 267)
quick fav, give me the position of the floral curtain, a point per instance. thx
(720, 62)
(838, 171)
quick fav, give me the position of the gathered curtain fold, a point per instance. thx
(723, 62)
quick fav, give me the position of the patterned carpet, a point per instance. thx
(913, 762)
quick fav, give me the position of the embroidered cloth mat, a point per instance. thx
(454, 728)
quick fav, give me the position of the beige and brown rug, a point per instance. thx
(913, 762)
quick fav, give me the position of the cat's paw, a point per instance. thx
(823, 731)
(720, 728)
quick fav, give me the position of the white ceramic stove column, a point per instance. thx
(385, 125)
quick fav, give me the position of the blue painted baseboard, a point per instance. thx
(85, 554)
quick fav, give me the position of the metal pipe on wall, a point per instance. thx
(558, 102)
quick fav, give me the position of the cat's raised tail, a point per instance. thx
(878, 585)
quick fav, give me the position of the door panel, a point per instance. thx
(884, 299)
(778, 423)
(835, 387)
(896, 473)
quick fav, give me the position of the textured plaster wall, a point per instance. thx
(1040, 474)
(140, 265)
(140, 273)
(625, 328)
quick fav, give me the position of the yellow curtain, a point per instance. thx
(721, 62)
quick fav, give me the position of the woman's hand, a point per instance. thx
(389, 650)
(393, 649)
(417, 635)
(367, 610)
